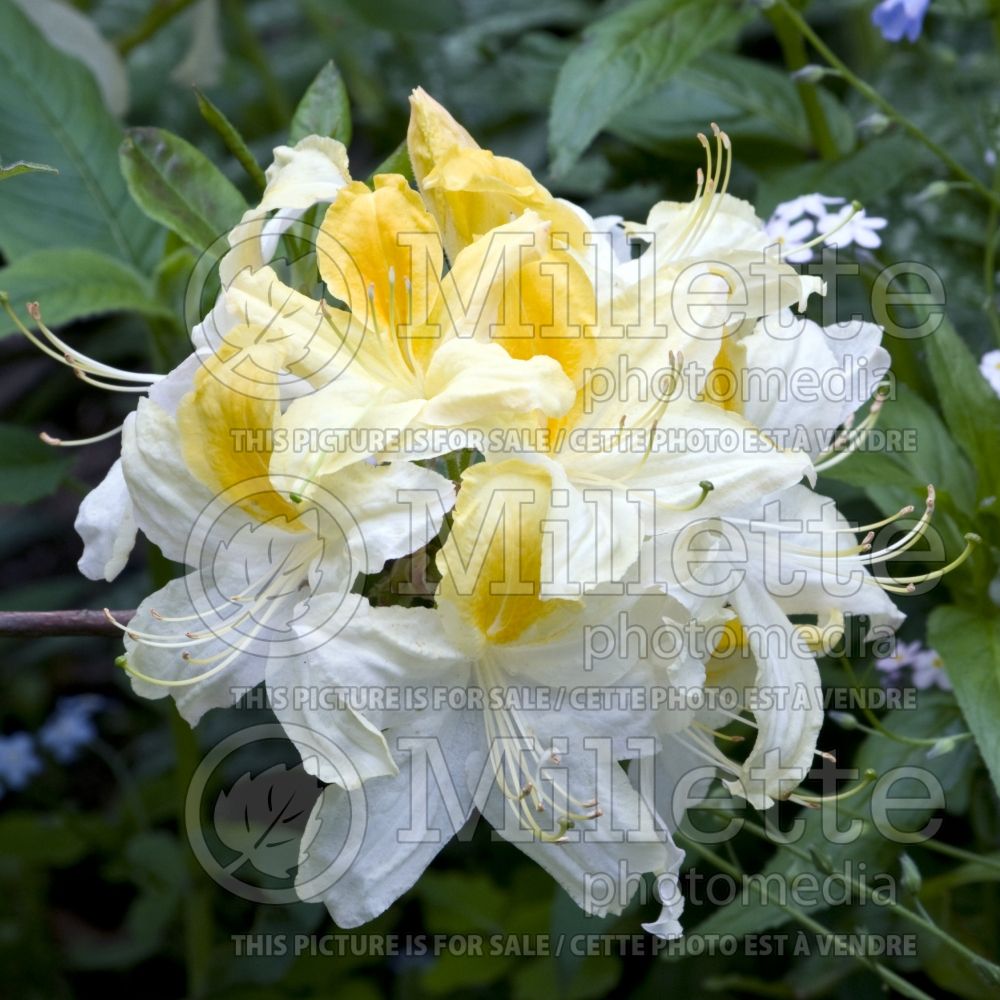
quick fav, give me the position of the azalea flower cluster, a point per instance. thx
(556, 548)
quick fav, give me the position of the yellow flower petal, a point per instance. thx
(469, 189)
(491, 564)
(226, 441)
(379, 251)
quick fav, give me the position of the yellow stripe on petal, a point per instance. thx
(226, 439)
(722, 387)
(491, 564)
(548, 308)
(380, 252)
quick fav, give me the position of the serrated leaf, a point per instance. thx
(29, 469)
(51, 112)
(969, 644)
(622, 58)
(24, 167)
(262, 816)
(178, 186)
(324, 109)
(73, 283)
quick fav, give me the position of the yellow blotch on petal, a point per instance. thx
(548, 308)
(731, 652)
(722, 387)
(491, 564)
(226, 439)
(380, 252)
(432, 134)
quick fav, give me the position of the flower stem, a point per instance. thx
(41, 624)
(980, 962)
(886, 975)
(793, 48)
(198, 936)
(889, 110)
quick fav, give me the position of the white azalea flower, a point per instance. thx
(539, 776)
(258, 552)
(792, 556)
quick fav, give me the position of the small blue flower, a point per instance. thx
(898, 19)
(18, 761)
(71, 726)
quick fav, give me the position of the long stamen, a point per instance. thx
(911, 537)
(67, 355)
(855, 437)
(78, 442)
(971, 541)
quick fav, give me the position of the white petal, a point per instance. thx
(240, 671)
(599, 864)
(386, 862)
(789, 683)
(106, 524)
(380, 656)
(167, 498)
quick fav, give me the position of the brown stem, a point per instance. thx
(37, 624)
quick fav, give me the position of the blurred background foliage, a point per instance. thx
(602, 100)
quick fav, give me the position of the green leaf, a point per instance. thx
(970, 647)
(937, 717)
(73, 283)
(971, 408)
(397, 162)
(749, 99)
(29, 469)
(51, 112)
(24, 167)
(230, 135)
(76, 34)
(622, 58)
(324, 108)
(47, 840)
(179, 187)
(868, 173)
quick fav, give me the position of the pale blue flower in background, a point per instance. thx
(926, 666)
(989, 365)
(19, 762)
(792, 235)
(898, 19)
(806, 204)
(796, 222)
(852, 226)
(928, 671)
(71, 726)
(904, 655)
